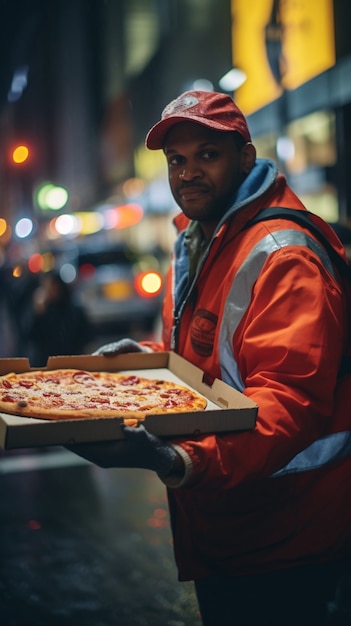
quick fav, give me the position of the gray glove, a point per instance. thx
(147, 451)
(120, 347)
(140, 449)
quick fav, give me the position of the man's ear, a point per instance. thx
(247, 157)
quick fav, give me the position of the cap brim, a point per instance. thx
(156, 135)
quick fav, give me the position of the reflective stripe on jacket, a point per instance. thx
(266, 314)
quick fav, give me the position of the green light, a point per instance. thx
(52, 197)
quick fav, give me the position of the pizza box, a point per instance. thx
(227, 409)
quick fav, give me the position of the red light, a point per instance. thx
(86, 270)
(35, 263)
(33, 524)
(149, 284)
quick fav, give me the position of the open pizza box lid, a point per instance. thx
(227, 409)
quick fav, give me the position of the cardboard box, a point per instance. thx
(227, 409)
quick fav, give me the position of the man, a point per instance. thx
(261, 520)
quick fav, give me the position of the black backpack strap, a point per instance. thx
(302, 218)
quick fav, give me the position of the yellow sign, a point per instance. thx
(280, 44)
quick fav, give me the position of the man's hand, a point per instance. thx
(139, 449)
(120, 347)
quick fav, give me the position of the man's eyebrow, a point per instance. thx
(201, 146)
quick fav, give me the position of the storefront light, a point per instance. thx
(285, 148)
(232, 80)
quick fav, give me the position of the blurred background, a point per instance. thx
(81, 83)
(85, 239)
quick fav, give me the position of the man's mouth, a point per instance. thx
(193, 192)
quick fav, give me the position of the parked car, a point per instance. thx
(119, 287)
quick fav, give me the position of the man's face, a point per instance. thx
(205, 169)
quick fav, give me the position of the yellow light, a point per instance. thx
(3, 226)
(152, 282)
(48, 261)
(20, 154)
(119, 290)
(149, 164)
(5, 231)
(148, 284)
(90, 222)
(17, 271)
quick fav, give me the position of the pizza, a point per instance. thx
(65, 394)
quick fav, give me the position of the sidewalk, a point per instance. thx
(83, 546)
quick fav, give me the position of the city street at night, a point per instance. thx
(175, 285)
(81, 545)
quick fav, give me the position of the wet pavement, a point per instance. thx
(81, 545)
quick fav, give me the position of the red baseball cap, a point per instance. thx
(211, 109)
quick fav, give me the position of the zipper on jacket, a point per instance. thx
(179, 311)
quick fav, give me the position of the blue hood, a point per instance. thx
(261, 177)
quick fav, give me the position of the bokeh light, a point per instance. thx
(35, 263)
(51, 197)
(3, 226)
(148, 284)
(24, 227)
(20, 154)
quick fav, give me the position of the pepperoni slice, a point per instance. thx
(56, 402)
(8, 398)
(55, 381)
(174, 392)
(100, 400)
(83, 377)
(169, 404)
(130, 380)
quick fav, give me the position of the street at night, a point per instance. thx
(81, 545)
(175, 199)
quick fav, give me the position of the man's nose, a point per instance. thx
(190, 172)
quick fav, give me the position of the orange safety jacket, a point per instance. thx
(266, 314)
